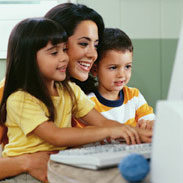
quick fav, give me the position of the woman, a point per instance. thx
(85, 28)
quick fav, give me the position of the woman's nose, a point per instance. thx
(92, 53)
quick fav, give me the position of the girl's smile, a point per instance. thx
(52, 61)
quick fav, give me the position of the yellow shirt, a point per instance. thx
(25, 113)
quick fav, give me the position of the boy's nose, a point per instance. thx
(120, 73)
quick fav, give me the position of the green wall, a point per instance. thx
(2, 68)
(152, 66)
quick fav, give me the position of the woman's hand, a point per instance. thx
(36, 165)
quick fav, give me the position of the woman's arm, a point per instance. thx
(35, 164)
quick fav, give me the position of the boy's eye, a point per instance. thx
(128, 67)
(112, 68)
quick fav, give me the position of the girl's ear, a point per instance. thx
(94, 70)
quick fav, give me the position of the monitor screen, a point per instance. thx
(176, 83)
(167, 148)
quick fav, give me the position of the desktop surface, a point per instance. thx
(58, 172)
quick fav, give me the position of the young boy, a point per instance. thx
(113, 70)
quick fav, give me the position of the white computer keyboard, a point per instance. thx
(100, 156)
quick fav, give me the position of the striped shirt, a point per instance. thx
(128, 109)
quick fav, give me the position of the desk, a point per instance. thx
(59, 173)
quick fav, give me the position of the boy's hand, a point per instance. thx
(145, 124)
(145, 135)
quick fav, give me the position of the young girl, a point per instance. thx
(112, 97)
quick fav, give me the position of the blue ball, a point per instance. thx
(134, 167)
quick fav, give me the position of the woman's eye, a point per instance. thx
(83, 44)
(96, 46)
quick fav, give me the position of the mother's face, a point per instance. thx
(82, 49)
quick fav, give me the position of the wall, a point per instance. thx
(153, 26)
(2, 68)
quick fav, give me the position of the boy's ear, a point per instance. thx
(94, 70)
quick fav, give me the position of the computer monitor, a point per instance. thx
(176, 83)
(167, 144)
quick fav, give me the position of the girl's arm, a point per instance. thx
(96, 118)
(35, 164)
(70, 137)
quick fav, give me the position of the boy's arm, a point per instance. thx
(145, 124)
(145, 134)
(35, 164)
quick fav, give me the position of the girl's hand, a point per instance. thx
(145, 124)
(126, 132)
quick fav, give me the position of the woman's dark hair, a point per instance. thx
(69, 15)
(113, 39)
(22, 73)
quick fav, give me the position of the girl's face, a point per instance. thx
(114, 72)
(52, 61)
(82, 49)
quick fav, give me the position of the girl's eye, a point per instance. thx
(54, 53)
(83, 44)
(65, 49)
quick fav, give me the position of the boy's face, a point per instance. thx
(114, 71)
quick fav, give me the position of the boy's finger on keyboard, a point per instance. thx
(146, 139)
